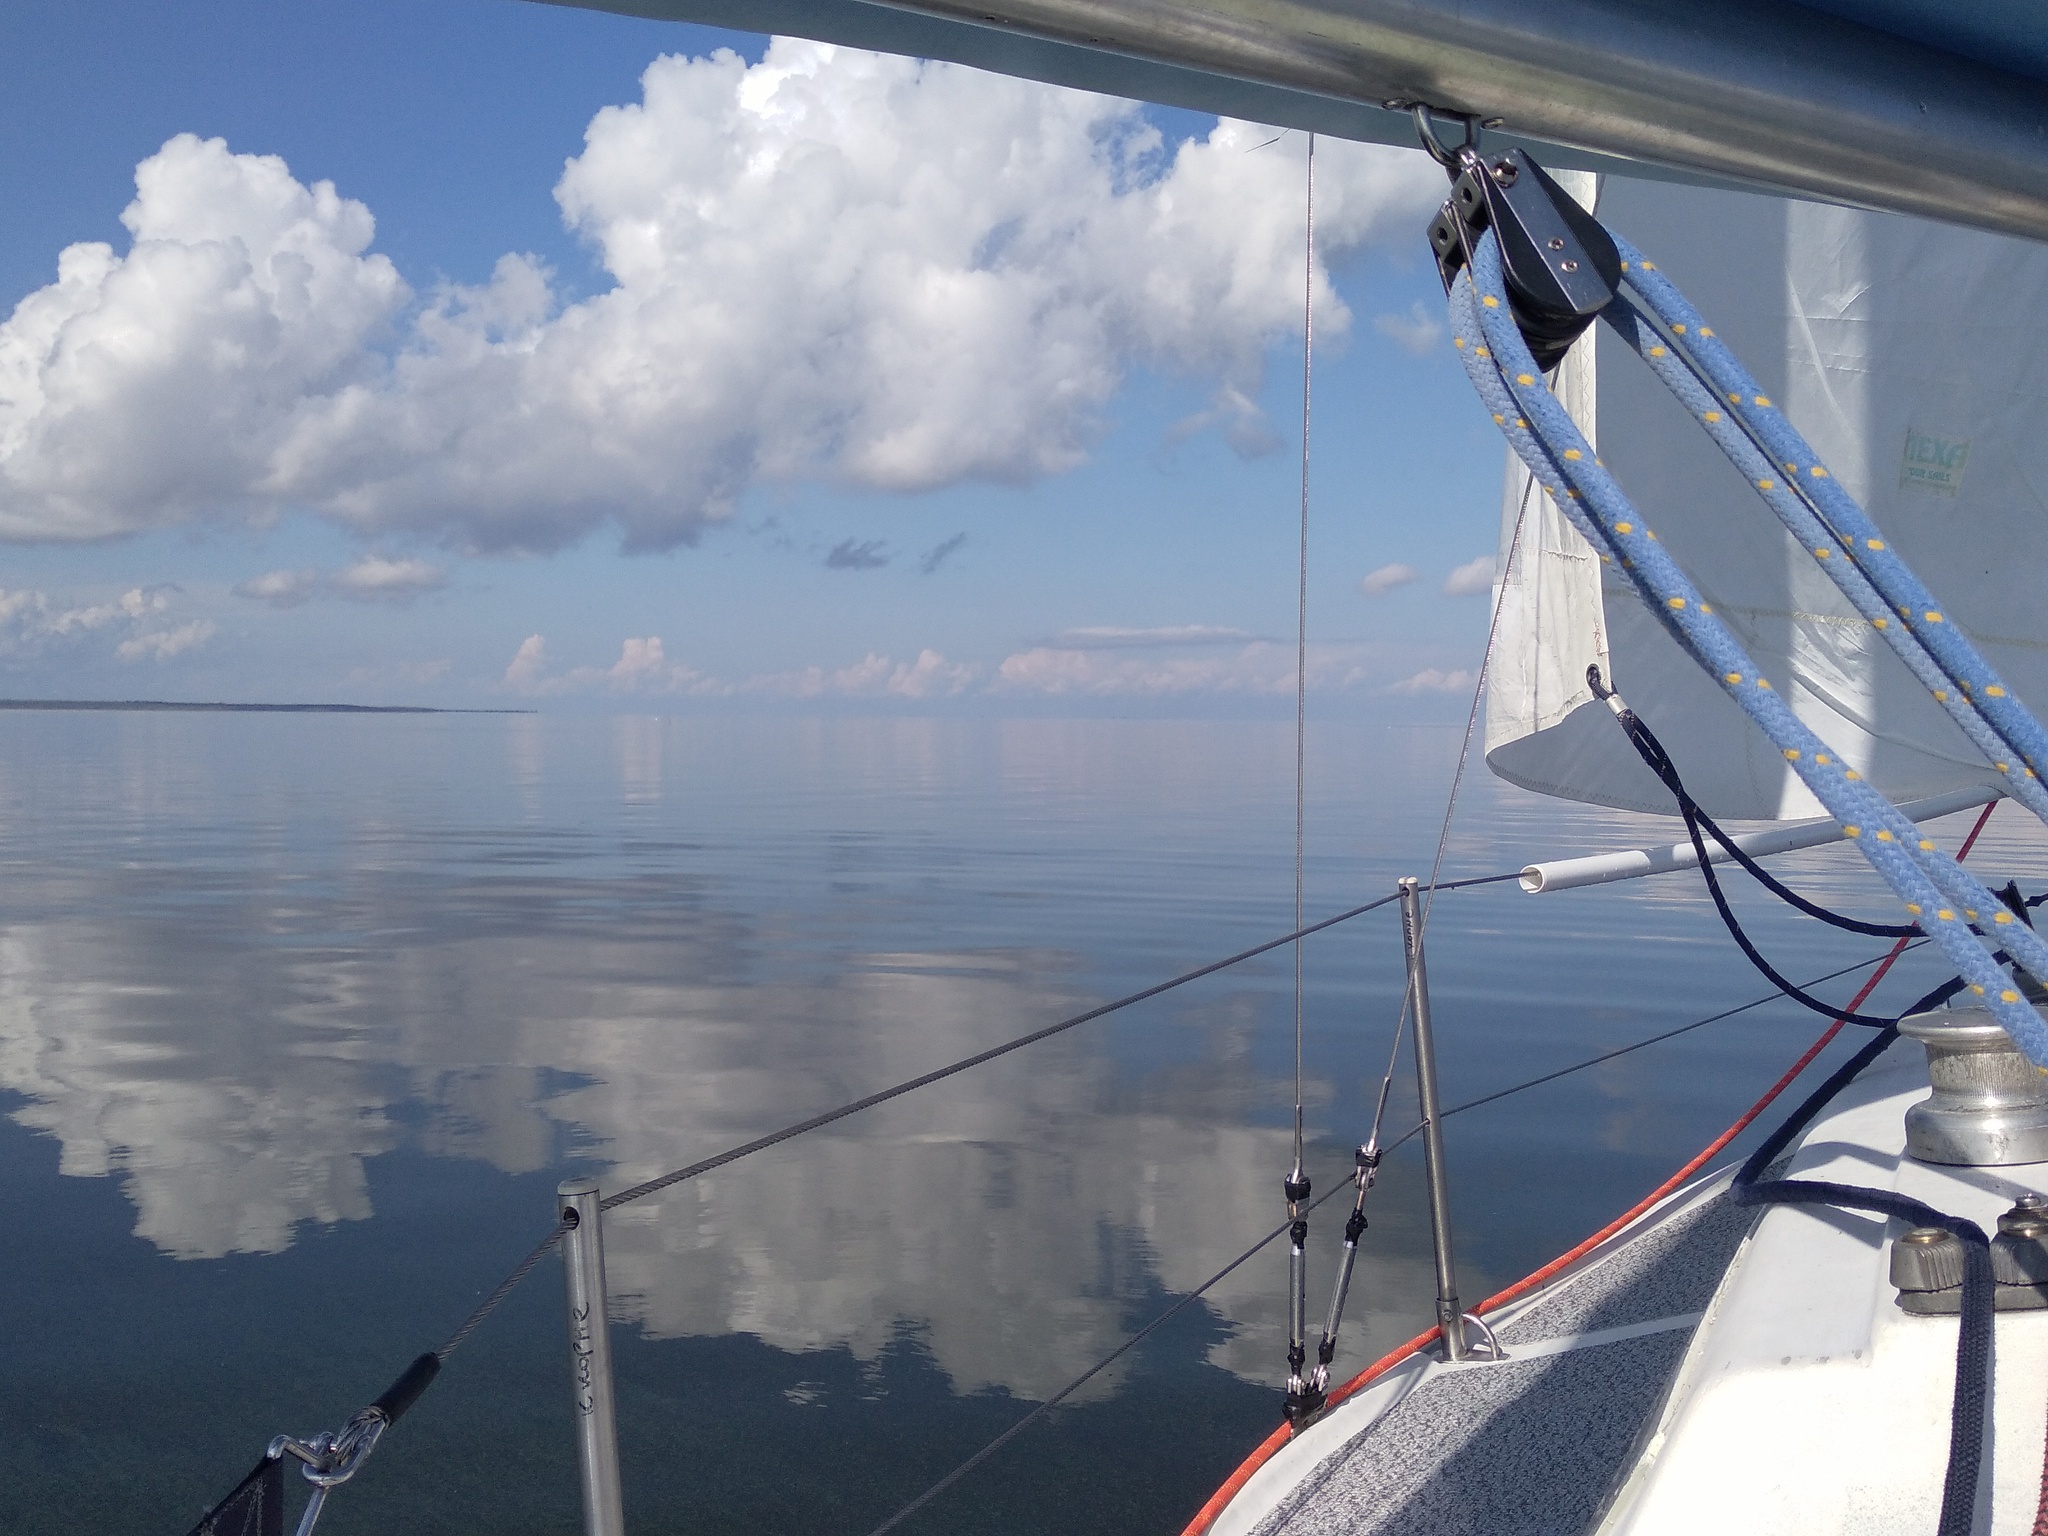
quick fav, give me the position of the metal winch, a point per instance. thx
(1989, 1108)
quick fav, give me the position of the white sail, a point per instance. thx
(1551, 623)
(1899, 348)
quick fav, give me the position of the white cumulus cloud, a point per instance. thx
(163, 644)
(828, 266)
(31, 624)
(152, 387)
(1114, 670)
(1105, 636)
(1417, 333)
(1433, 680)
(374, 578)
(281, 589)
(1470, 579)
(643, 667)
(1384, 580)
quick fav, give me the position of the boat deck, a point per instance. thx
(1533, 1445)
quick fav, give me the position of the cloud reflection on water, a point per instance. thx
(239, 1077)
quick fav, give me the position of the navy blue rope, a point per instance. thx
(1652, 752)
(1973, 1338)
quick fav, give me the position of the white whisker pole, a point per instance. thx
(1599, 868)
(590, 1352)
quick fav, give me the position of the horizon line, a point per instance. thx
(228, 708)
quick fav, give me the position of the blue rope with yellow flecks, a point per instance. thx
(1857, 538)
(1800, 520)
(1963, 889)
(1939, 894)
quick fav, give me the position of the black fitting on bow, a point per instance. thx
(1303, 1405)
(1296, 1188)
(1560, 265)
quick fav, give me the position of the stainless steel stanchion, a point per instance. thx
(1450, 1315)
(590, 1349)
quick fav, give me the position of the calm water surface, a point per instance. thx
(302, 1018)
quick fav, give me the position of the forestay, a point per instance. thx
(1899, 348)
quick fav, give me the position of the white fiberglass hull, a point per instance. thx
(1798, 1400)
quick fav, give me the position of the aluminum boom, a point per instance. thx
(1759, 92)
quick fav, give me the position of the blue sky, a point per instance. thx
(819, 382)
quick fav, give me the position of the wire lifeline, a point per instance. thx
(1485, 334)
(1651, 337)
(1657, 1039)
(1084, 1378)
(422, 1371)
(775, 1138)
(505, 1288)
(415, 1380)
(1862, 542)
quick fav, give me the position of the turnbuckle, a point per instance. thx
(329, 1460)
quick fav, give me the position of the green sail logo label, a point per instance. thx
(1933, 463)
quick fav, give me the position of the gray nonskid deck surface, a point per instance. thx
(1671, 1269)
(1520, 1449)
(1527, 1448)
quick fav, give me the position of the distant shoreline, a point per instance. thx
(249, 709)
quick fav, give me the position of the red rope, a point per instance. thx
(1234, 1484)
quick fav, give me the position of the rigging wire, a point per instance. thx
(1657, 1039)
(775, 1138)
(1084, 1378)
(1296, 1186)
(1372, 1140)
(1308, 348)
